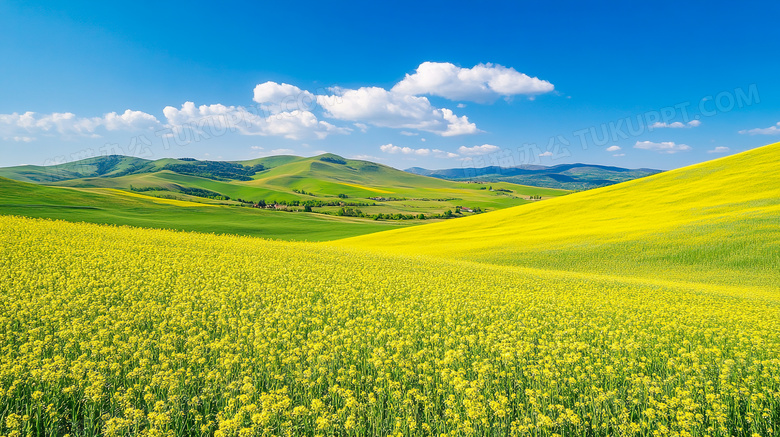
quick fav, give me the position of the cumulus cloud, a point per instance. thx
(213, 120)
(130, 120)
(719, 149)
(383, 108)
(547, 153)
(392, 149)
(20, 127)
(444, 154)
(282, 97)
(367, 158)
(675, 125)
(405, 105)
(483, 83)
(21, 139)
(771, 130)
(663, 147)
(288, 111)
(282, 152)
(613, 148)
(478, 150)
(206, 120)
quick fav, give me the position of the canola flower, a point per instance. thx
(121, 331)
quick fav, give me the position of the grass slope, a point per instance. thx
(110, 206)
(717, 222)
(325, 177)
(91, 167)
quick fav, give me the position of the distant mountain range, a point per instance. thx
(563, 176)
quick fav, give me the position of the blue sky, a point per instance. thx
(429, 84)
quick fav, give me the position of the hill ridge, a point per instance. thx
(575, 176)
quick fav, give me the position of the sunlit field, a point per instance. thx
(389, 219)
(717, 222)
(649, 309)
(121, 331)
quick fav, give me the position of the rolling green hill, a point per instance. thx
(716, 222)
(91, 167)
(118, 207)
(327, 183)
(113, 166)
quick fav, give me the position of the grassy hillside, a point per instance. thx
(91, 167)
(210, 196)
(113, 166)
(371, 188)
(111, 206)
(718, 221)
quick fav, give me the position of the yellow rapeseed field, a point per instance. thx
(122, 331)
(645, 309)
(715, 222)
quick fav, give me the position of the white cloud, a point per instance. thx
(613, 148)
(286, 110)
(675, 125)
(719, 149)
(663, 147)
(457, 125)
(282, 152)
(481, 84)
(390, 148)
(547, 153)
(275, 97)
(383, 108)
(66, 124)
(444, 154)
(214, 120)
(130, 120)
(394, 150)
(478, 150)
(461, 105)
(366, 158)
(409, 134)
(771, 130)
(619, 154)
